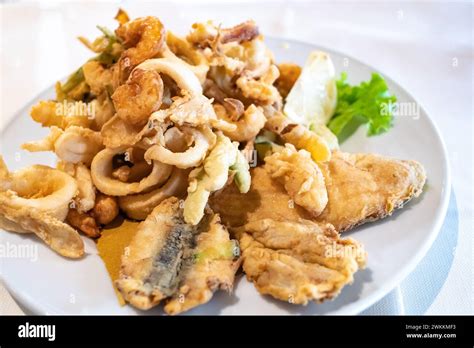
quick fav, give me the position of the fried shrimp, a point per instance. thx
(247, 126)
(139, 97)
(301, 177)
(143, 37)
(203, 139)
(102, 167)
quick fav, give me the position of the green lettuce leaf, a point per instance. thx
(368, 103)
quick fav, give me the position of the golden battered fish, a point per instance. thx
(298, 261)
(168, 258)
(361, 188)
(368, 187)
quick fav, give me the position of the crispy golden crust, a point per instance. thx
(298, 261)
(137, 262)
(367, 187)
(168, 258)
(84, 222)
(61, 237)
(214, 271)
(361, 188)
(266, 198)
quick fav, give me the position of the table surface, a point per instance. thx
(427, 47)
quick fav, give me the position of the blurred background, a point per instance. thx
(426, 46)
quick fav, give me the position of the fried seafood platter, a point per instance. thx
(191, 159)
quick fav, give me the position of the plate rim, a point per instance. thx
(356, 307)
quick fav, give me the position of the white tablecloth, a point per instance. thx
(426, 46)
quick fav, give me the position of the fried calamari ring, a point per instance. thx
(102, 167)
(44, 188)
(182, 50)
(140, 205)
(59, 236)
(203, 139)
(85, 198)
(179, 72)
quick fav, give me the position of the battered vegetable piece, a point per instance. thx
(48, 114)
(300, 261)
(301, 177)
(212, 176)
(161, 261)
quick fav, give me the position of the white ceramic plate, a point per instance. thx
(55, 285)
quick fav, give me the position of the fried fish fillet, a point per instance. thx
(168, 258)
(361, 188)
(368, 187)
(298, 261)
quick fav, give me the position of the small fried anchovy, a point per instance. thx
(169, 261)
(168, 258)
